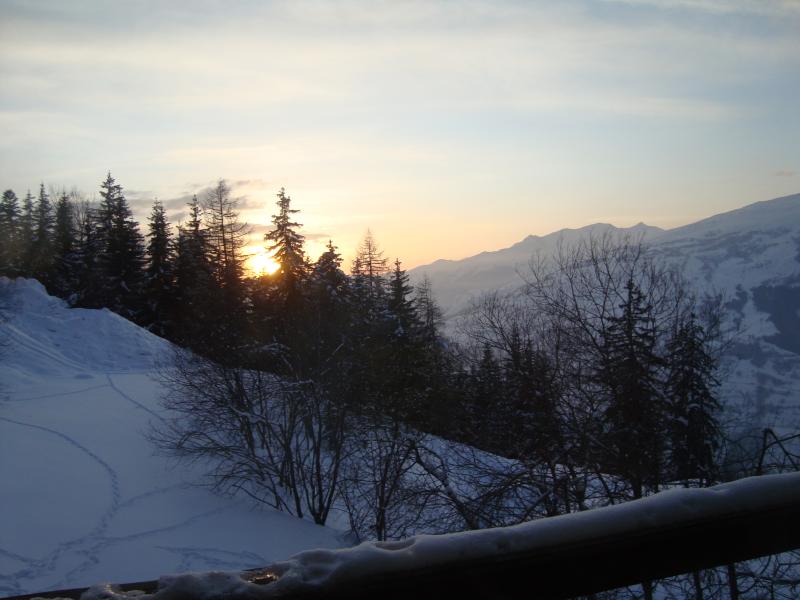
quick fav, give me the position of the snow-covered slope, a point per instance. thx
(83, 496)
(752, 255)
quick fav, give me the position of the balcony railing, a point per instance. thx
(675, 532)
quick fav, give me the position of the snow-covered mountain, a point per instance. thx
(456, 282)
(83, 497)
(752, 255)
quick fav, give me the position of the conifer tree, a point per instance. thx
(159, 283)
(485, 392)
(199, 321)
(327, 273)
(401, 304)
(405, 372)
(369, 268)
(329, 286)
(630, 374)
(66, 262)
(25, 245)
(328, 310)
(64, 233)
(439, 369)
(692, 406)
(226, 238)
(196, 291)
(41, 253)
(9, 233)
(122, 252)
(88, 291)
(429, 313)
(286, 246)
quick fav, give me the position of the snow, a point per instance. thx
(320, 569)
(84, 496)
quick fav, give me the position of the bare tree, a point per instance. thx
(378, 492)
(280, 441)
(226, 234)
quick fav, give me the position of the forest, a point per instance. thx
(321, 391)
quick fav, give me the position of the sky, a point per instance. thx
(447, 128)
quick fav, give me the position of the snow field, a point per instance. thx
(84, 496)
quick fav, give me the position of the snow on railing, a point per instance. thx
(673, 532)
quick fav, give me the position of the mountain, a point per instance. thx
(456, 282)
(84, 497)
(751, 255)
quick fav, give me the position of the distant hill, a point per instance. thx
(751, 254)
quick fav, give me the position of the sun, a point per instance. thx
(262, 264)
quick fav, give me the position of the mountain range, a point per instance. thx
(751, 255)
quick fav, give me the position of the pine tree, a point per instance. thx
(485, 392)
(64, 233)
(122, 252)
(41, 252)
(401, 304)
(66, 258)
(429, 313)
(437, 363)
(328, 316)
(692, 406)
(406, 372)
(327, 273)
(329, 287)
(629, 373)
(9, 233)
(286, 246)
(25, 245)
(530, 400)
(88, 291)
(198, 298)
(159, 281)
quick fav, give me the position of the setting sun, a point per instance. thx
(262, 264)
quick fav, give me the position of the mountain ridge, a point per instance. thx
(751, 255)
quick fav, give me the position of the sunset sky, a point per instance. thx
(447, 128)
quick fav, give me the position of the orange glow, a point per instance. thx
(262, 264)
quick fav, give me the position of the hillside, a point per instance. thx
(751, 255)
(84, 498)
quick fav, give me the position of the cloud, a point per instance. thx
(179, 202)
(767, 8)
(203, 190)
(785, 173)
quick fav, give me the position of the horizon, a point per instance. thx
(446, 131)
(259, 260)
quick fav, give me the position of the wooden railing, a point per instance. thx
(562, 557)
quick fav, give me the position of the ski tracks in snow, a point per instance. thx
(132, 401)
(39, 567)
(92, 542)
(59, 394)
